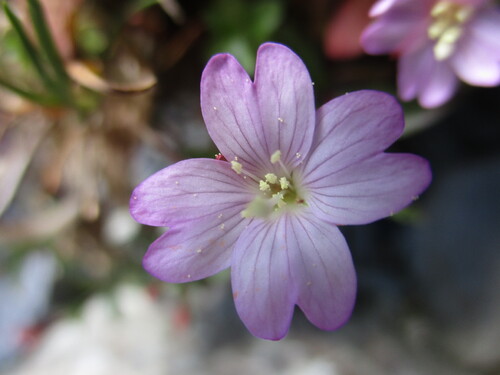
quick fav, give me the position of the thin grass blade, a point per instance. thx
(28, 47)
(46, 41)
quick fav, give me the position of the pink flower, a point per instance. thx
(436, 42)
(270, 210)
(342, 33)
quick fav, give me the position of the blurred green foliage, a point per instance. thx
(240, 26)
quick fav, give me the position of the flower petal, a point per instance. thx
(421, 75)
(189, 190)
(194, 250)
(349, 129)
(297, 259)
(397, 29)
(477, 60)
(263, 291)
(369, 190)
(382, 37)
(439, 86)
(486, 26)
(230, 110)
(381, 6)
(323, 271)
(286, 102)
(347, 179)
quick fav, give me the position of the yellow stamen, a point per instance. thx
(284, 183)
(264, 186)
(463, 14)
(446, 27)
(271, 178)
(451, 35)
(440, 8)
(443, 50)
(438, 28)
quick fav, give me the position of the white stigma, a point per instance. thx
(276, 156)
(237, 167)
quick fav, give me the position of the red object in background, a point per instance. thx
(30, 336)
(341, 38)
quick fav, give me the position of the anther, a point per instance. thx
(451, 35)
(271, 178)
(443, 50)
(264, 186)
(463, 14)
(284, 183)
(440, 8)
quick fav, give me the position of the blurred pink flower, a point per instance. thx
(436, 42)
(341, 40)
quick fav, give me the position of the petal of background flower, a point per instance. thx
(369, 190)
(421, 75)
(477, 60)
(399, 27)
(384, 36)
(349, 129)
(194, 250)
(263, 290)
(438, 87)
(189, 190)
(286, 102)
(322, 270)
(486, 27)
(381, 6)
(230, 109)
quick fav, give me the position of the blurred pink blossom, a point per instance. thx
(437, 43)
(344, 29)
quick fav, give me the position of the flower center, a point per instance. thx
(277, 192)
(448, 19)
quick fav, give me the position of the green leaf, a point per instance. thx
(46, 41)
(139, 5)
(28, 47)
(36, 98)
(265, 18)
